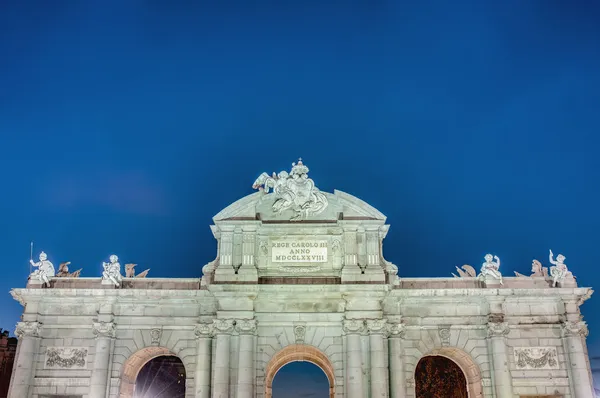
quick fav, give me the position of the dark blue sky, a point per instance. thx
(472, 125)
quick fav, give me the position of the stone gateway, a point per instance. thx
(300, 276)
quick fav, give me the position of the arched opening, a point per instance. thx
(136, 363)
(300, 379)
(299, 353)
(161, 377)
(439, 377)
(448, 363)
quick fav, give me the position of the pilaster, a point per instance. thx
(105, 334)
(497, 331)
(396, 332)
(574, 334)
(222, 329)
(204, 334)
(29, 334)
(353, 328)
(377, 329)
(247, 332)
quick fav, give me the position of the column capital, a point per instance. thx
(353, 326)
(498, 329)
(28, 329)
(104, 329)
(377, 326)
(223, 326)
(570, 328)
(246, 326)
(204, 330)
(396, 329)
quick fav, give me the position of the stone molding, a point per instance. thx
(498, 329)
(377, 326)
(66, 357)
(28, 329)
(246, 326)
(353, 326)
(104, 329)
(570, 328)
(223, 326)
(204, 330)
(396, 330)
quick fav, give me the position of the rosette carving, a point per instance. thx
(377, 326)
(245, 326)
(396, 329)
(498, 329)
(223, 326)
(28, 329)
(104, 329)
(570, 328)
(353, 326)
(204, 330)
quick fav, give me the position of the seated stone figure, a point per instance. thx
(491, 268)
(44, 271)
(112, 270)
(559, 271)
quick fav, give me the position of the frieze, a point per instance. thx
(245, 326)
(28, 329)
(104, 329)
(532, 358)
(353, 326)
(204, 330)
(66, 357)
(223, 326)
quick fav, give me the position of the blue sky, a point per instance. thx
(473, 126)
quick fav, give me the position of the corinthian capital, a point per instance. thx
(28, 329)
(377, 326)
(104, 329)
(223, 326)
(497, 329)
(570, 328)
(353, 326)
(204, 330)
(396, 329)
(245, 326)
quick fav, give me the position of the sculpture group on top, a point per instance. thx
(491, 269)
(294, 191)
(111, 271)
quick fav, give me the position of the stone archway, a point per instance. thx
(134, 364)
(298, 352)
(469, 368)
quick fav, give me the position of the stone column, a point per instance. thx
(377, 334)
(222, 330)
(353, 328)
(497, 330)
(245, 380)
(104, 332)
(574, 334)
(397, 377)
(204, 333)
(24, 365)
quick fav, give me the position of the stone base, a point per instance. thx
(353, 274)
(226, 273)
(491, 282)
(107, 284)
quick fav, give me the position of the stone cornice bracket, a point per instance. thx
(223, 326)
(377, 326)
(570, 328)
(498, 329)
(18, 296)
(28, 329)
(104, 329)
(353, 326)
(396, 330)
(204, 330)
(246, 326)
(582, 299)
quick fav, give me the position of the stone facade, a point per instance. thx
(302, 279)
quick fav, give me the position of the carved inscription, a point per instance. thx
(299, 251)
(536, 358)
(66, 357)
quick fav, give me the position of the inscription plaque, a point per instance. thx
(298, 251)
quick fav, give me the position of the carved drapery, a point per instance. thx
(536, 357)
(66, 357)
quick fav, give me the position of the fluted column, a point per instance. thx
(497, 330)
(24, 364)
(377, 335)
(396, 373)
(353, 328)
(104, 332)
(222, 330)
(204, 334)
(574, 334)
(245, 380)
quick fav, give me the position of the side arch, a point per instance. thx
(298, 353)
(468, 366)
(135, 363)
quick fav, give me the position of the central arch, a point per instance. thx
(134, 364)
(294, 353)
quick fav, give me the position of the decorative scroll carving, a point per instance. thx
(299, 332)
(536, 358)
(498, 329)
(66, 357)
(466, 272)
(130, 272)
(396, 329)
(204, 330)
(28, 329)
(353, 326)
(104, 329)
(294, 191)
(155, 335)
(223, 326)
(377, 326)
(444, 334)
(245, 326)
(570, 328)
